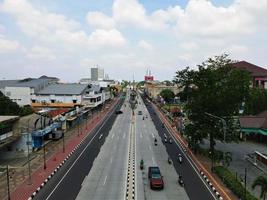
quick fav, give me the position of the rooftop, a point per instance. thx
(253, 69)
(27, 82)
(64, 89)
(7, 117)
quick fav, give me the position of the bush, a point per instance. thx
(234, 185)
(25, 110)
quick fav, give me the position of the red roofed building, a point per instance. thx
(259, 74)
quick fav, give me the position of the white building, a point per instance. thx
(20, 91)
(97, 74)
(70, 95)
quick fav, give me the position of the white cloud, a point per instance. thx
(51, 27)
(189, 45)
(100, 20)
(2, 28)
(145, 45)
(41, 53)
(7, 46)
(107, 37)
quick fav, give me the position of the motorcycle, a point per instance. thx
(180, 181)
(169, 160)
(142, 164)
(180, 158)
(155, 142)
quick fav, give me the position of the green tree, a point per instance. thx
(261, 182)
(125, 83)
(8, 107)
(167, 95)
(256, 101)
(216, 88)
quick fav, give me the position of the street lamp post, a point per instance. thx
(29, 160)
(7, 179)
(224, 133)
(44, 154)
(63, 140)
(245, 183)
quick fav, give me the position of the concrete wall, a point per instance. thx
(20, 95)
(57, 98)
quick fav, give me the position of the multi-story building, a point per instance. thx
(154, 88)
(97, 74)
(20, 91)
(70, 95)
(258, 74)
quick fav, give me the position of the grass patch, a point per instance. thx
(232, 183)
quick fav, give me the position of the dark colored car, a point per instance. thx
(140, 112)
(155, 178)
(118, 112)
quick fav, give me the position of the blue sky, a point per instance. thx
(64, 38)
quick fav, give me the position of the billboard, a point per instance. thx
(149, 78)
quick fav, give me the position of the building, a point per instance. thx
(6, 128)
(60, 95)
(97, 74)
(254, 127)
(20, 91)
(70, 95)
(154, 88)
(258, 74)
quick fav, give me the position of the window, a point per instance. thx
(53, 100)
(33, 100)
(74, 101)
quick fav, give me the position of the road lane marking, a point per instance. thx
(153, 160)
(150, 147)
(105, 180)
(110, 160)
(184, 154)
(103, 123)
(141, 136)
(112, 136)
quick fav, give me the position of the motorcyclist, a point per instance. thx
(180, 180)
(180, 158)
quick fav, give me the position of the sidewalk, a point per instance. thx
(200, 165)
(20, 187)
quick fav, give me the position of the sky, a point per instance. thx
(64, 38)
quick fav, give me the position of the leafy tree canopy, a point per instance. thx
(8, 107)
(216, 88)
(167, 95)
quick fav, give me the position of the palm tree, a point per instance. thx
(261, 181)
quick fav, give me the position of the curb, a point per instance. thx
(211, 185)
(218, 195)
(56, 170)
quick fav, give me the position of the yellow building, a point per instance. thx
(153, 88)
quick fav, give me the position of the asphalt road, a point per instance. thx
(154, 156)
(66, 183)
(195, 187)
(107, 178)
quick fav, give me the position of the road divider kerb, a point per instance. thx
(62, 163)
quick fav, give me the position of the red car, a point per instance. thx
(155, 178)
